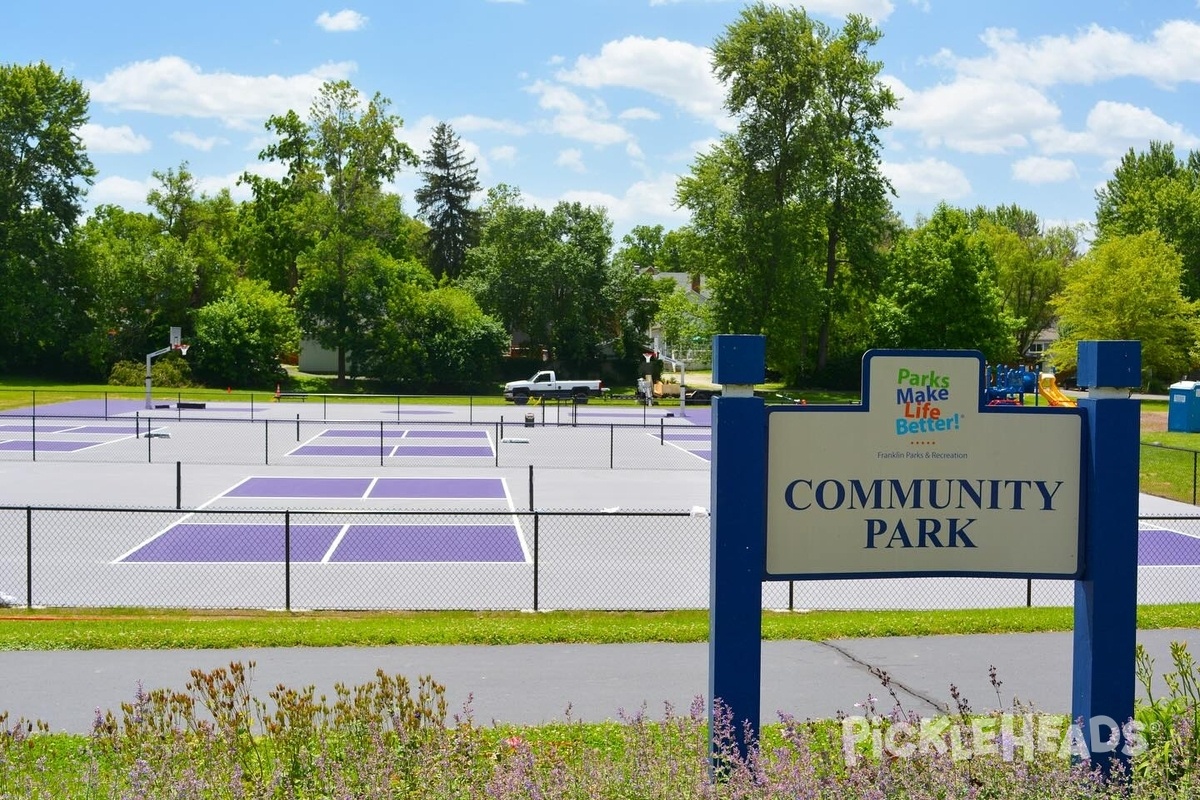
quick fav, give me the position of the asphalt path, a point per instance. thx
(531, 684)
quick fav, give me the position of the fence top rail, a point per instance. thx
(1170, 447)
(168, 415)
(378, 512)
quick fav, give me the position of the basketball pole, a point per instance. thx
(176, 344)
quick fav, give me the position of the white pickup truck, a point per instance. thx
(545, 384)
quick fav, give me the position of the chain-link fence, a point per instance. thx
(1169, 471)
(329, 559)
(557, 439)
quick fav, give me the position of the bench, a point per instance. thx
(182, 404)
(301, 396)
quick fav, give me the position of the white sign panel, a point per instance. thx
(923, 479)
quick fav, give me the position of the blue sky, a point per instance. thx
(609, 101)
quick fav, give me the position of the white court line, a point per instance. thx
(334, 544)
(370, 488)
(174, 524)
(677, 447)
(516, 522)
(1151, 525)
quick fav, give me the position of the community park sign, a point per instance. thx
(923, 479)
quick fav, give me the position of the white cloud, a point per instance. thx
(117, 139)
(212, 184)
(204, 144)
(119, 191)
(576, 119)
(1167, 57)
(173, 87)
(647, 199)
(344, 20)
(572, 159)
(639, 113)
(469, 123)
(972, 115)
(1037, 169)
(504, 153)
(678, 72)
(1111, 129)
(929, 178)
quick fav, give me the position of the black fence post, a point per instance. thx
(149, 443)
(28, 556)
(1029, 592)
(266, 441)
(106, 405)
(178, 484)
(791, 595)
(662, 431)
(531, 487)
(536, 518)
(381, 432)
(612, 443)
(33, 433)
(297, 427)
(287, 560)
(1194, 454)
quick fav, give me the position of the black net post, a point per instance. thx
(287, 560)
(29, 557)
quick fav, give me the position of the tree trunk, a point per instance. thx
(831, 244)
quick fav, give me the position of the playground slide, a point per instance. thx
(1048, 388)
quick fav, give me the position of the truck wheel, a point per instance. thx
(520, 399)
(581, 397)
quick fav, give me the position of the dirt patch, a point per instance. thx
(1153, 421)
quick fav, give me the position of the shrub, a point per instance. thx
(171, 371)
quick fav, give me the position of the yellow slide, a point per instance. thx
(1048, 388)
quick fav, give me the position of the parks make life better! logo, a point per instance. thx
(921, 397)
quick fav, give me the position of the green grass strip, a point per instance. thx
(54, 629)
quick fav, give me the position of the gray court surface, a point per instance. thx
(619, 465)
(531, 684)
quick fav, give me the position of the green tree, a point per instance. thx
(1129, 288)
(344, 294)
(140, 282)
(241, 337)
(1156, 191)
(204, 225)
(804, 195)
(444, 201)
(942, 291)
(348, 148)
(44, 170)
(439, 340)
(1030, 266)
(547, 277)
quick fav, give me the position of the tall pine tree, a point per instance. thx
(443, 202)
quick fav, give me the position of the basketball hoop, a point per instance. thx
(182, 348)
(649, 356)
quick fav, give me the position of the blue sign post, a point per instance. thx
(1103, 682)
(737, 546)
(923, 478)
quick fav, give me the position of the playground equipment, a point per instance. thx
(1048, 388)
(1005, 385)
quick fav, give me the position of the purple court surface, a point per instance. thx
(252, 542)
(392, 451)
(1159, 548)
(248, 542)
(413, 488)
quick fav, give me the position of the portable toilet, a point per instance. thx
(1183, 410)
